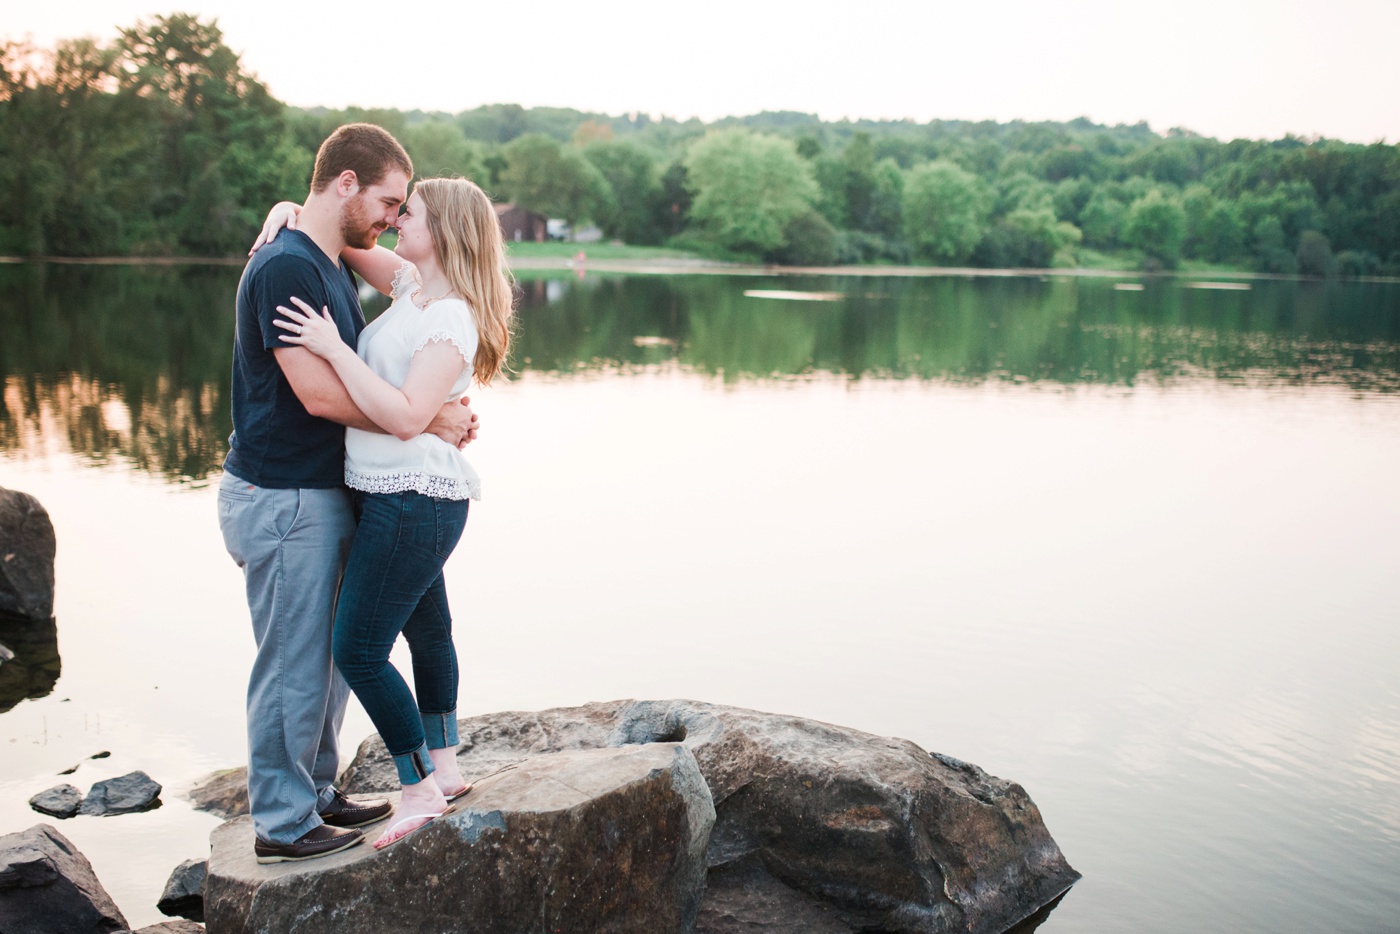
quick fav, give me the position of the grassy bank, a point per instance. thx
(562, 249)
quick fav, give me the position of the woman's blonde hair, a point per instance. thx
(471, 252)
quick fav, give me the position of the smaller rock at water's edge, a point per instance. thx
(184, 892)
(223, 794)
(127, 794)
(61, 801)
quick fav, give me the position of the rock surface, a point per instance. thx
(46, 885)
(127, 794)
(27, 548)
(35, 667)
(61, 801)
(184, 891)
(172, 927)
(587, 841)
(818, 827)
(223, 793)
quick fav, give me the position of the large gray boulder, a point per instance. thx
(126, 794)
(818, 827)
(591, 841)
(27, 548)
(223, 793)
(34, 665)
(47, 886)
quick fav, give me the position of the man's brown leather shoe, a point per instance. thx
(319, 841)
(342, 812)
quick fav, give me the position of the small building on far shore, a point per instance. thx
(519, 224)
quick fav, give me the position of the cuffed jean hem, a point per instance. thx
(414, 766)
(439, 729)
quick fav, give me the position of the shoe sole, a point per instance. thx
(266, 860)
(363, 823)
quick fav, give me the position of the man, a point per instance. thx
(284, 511)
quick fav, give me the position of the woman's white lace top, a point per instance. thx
(378, 463)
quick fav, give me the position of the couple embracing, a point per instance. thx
(345, 488)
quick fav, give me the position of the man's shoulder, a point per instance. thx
(290, 252)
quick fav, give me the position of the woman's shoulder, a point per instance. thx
(450, 311)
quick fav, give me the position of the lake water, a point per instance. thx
(1134, 549)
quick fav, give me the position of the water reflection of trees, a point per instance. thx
(1058, 330)
(118, 362)
(132, 363)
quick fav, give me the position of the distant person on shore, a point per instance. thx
(449, 322)
(285, 513)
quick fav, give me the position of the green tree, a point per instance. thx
(886, 214)
(859, 163)
(830, 174)
(1070, 161)
(1102, 220)
(1270, 253)
(1029, 238)
(542, 175)
(439, 148)
(945, 211)
(1221, 235)
(1020, 189)
(62, 133)
(631, 173)
(811, 241)
(1314, 254)
(747, 187)
(1156, 225)
(1197, 201)
(223, 150)
(672, 210)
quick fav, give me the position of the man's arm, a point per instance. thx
(322, 393)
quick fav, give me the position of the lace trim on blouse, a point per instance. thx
(444, 337)
(405, 281)
(415, 480)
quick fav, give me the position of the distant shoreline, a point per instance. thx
(675, 267)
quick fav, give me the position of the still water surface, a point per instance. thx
(1135, 550)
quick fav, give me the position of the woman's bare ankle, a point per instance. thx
(448, 775)
(422, 796)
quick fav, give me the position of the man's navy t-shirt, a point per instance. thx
(276, 443)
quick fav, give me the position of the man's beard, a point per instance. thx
(356, 227)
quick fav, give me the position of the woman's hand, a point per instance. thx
(317, 333)
(283, 214)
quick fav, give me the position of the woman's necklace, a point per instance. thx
(436, 298)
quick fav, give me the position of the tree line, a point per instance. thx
(161, 143)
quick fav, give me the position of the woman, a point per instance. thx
(449, 321)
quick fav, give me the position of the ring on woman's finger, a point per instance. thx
(299, 328)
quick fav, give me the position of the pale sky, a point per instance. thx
(1224, 68)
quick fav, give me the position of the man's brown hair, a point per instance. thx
(367, 150)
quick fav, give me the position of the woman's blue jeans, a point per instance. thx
(393, 584)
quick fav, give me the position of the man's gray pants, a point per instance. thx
(292, 546)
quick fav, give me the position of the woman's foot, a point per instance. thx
(418, 804)
(448, 776)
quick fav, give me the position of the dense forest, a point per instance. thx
(160, 143)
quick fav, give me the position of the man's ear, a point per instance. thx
(347, 183)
